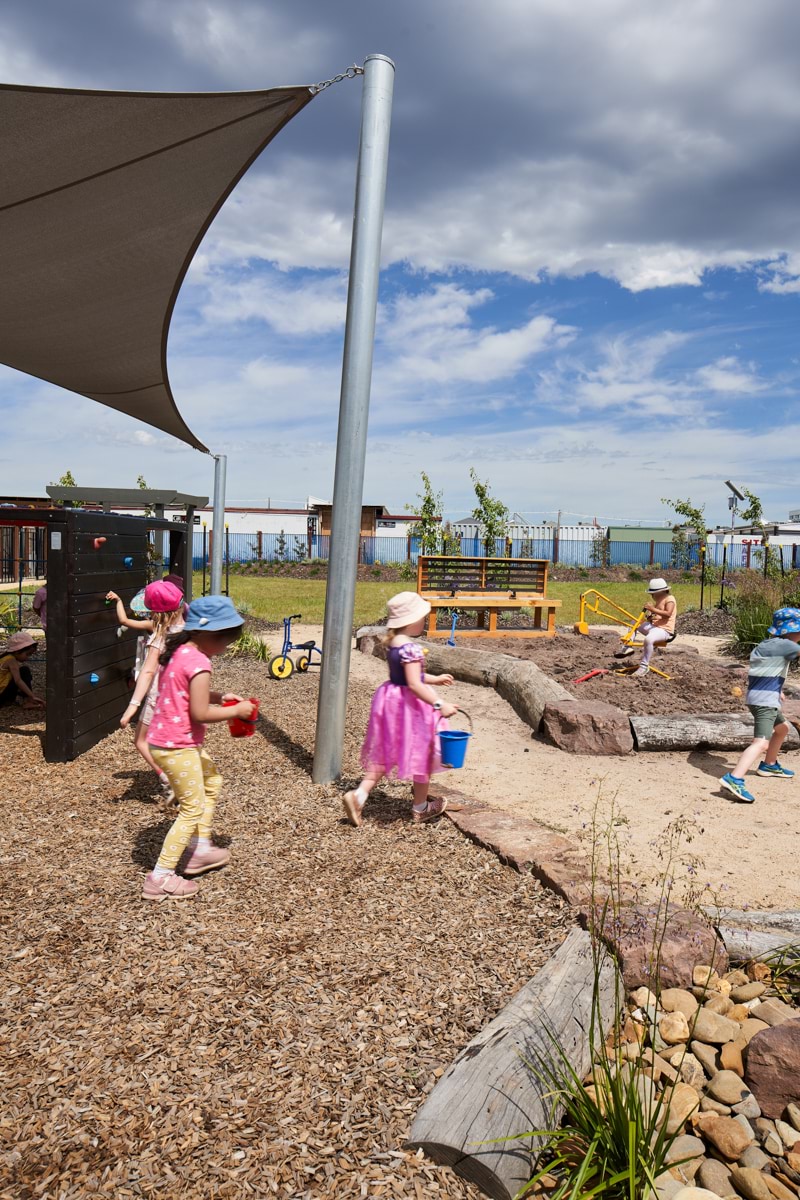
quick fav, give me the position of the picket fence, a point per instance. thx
(374, 551)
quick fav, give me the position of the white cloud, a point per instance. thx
(238, 39)
(606, 138)
(729, 375)
(295, 309)
(630, 375)
(434, 341)
(782, 275)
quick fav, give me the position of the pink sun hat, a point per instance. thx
(406, 608)
(19, 641)
(162, 597)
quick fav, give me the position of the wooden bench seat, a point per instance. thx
(487, 586)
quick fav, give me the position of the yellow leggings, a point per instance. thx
(196, 783)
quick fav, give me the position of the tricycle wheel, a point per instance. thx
(281, 666)
(302, 662)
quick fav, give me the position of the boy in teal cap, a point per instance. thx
(769, 665)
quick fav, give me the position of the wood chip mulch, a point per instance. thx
(273, 1037)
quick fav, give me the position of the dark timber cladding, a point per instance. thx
(89, 663)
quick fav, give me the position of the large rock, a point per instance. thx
(715, 1176)
(774, 1012)
(724, 1133)
(587, 727)
(750, 1183)
(657, 950)
(678, 1000)
(727, 1087)
(772, 1070)
(683, 1101)
(714, 1029)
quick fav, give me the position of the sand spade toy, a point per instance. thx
(453, 743)
(451, 641)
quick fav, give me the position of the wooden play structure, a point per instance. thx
(89, 658)
(487, 586)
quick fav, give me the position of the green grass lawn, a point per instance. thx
(273, 599)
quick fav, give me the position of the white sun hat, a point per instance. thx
(406, 608)
(658, 585)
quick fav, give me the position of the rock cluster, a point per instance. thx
(725, 1059)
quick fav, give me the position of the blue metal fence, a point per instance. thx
(276, 547)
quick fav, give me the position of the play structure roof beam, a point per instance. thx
(126, 497)
(104, 199)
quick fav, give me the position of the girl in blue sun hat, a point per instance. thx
(184, 707)
(769, 666)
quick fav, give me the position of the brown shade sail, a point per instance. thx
(104, 199)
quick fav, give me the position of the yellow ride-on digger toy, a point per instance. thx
(630, 622)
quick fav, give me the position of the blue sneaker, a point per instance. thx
(736, 787)
(775, 771)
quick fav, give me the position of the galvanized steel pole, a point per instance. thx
(351, 444)
(218, 527)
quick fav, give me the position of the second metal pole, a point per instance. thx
(218, 526)
(351, 443)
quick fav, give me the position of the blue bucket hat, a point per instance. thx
(784, 620)
(209, 614)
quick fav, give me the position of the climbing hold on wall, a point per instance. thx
(98, 542)
(128, 560)
(94, 678)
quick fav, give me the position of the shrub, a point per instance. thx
(752, 602)
(634, 575)
(249, 645)
(408, 571)
(607, 1136)
(9, 617)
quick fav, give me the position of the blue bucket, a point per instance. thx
(453, 744)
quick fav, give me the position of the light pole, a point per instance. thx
(218, 527)
(351, 442)
(733, 505)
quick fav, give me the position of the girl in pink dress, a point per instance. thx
(404, 717)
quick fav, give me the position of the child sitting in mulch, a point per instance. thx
(401, 734)
(15, 677)
(164, 601)
(184, 707)
(769, 666)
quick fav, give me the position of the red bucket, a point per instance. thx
(240, 726)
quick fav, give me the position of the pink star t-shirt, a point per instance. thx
(172, 727)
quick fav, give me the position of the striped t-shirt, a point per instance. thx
(769, 666)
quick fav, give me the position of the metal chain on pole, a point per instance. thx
(350, 73)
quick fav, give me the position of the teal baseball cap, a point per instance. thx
(209, 614)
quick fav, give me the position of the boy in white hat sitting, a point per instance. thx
(659, 627)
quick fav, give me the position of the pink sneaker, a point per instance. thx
(433, 809)
(207, 860)
(168, 887)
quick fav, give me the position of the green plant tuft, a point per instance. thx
(249, 645)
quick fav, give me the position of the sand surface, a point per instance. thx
(746, 853)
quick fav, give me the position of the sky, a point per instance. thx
(590, 281)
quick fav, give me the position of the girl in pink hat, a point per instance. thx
(164, 601)
(16, 681)
(401, 734)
